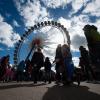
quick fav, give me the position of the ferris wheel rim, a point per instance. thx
(36, 27)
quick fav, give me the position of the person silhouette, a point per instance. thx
(68, 63)
(47, 67)
(86, 61)
(58, 60)
(37, 62)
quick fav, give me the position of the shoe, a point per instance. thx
(35, 82)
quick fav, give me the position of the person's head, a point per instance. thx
(47, 58)
(39, 49)
(59, 45)
(93, 27)
(65, 45)
(86, 28)
(81, 48)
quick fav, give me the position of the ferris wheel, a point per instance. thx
(47, 35)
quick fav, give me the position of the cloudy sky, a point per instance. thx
(16, 16)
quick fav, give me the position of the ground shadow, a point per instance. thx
(70, 93)
(16, 85)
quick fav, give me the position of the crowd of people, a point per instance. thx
(30, 70)
(64, 64)
(86, 64)
(6, 71)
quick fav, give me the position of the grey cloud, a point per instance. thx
(78, 40)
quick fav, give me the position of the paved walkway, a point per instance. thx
(41, 91)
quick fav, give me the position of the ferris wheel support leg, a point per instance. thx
(29, 53)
